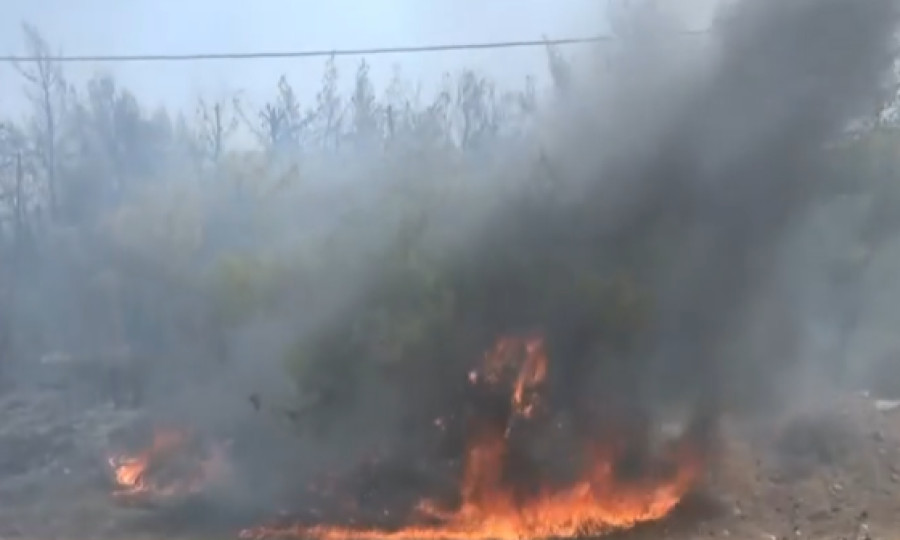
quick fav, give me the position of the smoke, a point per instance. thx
(654, 244)
(701, 199)
(689, 182)
(647, 227)
(679, 173)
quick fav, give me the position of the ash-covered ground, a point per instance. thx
(827, 470)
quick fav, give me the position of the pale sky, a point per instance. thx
(184, 26)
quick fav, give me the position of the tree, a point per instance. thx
(216, 122)
(13, 146)
(328, 107)
(398, 107)
(47, 92)
(431, 125)
(281, 122)
(117, 146)
(477, 107)
(364, 107)
(559, 68)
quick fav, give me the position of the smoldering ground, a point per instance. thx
(645, 246)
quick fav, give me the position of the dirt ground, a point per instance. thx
(825, 472)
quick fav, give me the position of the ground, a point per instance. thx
(826, 472)
(830, 471)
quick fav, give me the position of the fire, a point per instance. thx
(530, 377)
(166, 468)
(494, 505)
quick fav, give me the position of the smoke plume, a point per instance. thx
(647, 245)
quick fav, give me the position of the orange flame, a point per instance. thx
(598, 503)
(134, 475)
(531, 375)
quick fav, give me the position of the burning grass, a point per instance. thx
(173, 466)
(692, 214)
(505, 492)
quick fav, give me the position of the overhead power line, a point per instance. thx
(312, 53)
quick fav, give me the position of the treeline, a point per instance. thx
(151, 242)
(86, 146)
(128, 232)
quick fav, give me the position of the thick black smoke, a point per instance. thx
(644, 245)
(696, 208)
(684, 192)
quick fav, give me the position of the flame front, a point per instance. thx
(598, 502)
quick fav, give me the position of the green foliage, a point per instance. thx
(240, 285)
(270, 231)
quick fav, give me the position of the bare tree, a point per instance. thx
(46, 90)
(280, 123)
(216, 123)
(560, 70)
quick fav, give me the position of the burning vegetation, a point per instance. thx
(639, 279)
(519, 477)
(506, 492)
(174, 466)
(641, 276)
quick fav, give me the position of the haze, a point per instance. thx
(321, 274)
(171, 27)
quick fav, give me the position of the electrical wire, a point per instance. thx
(311, 53)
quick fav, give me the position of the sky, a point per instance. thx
(186, 26)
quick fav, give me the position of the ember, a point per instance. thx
(494, 504)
